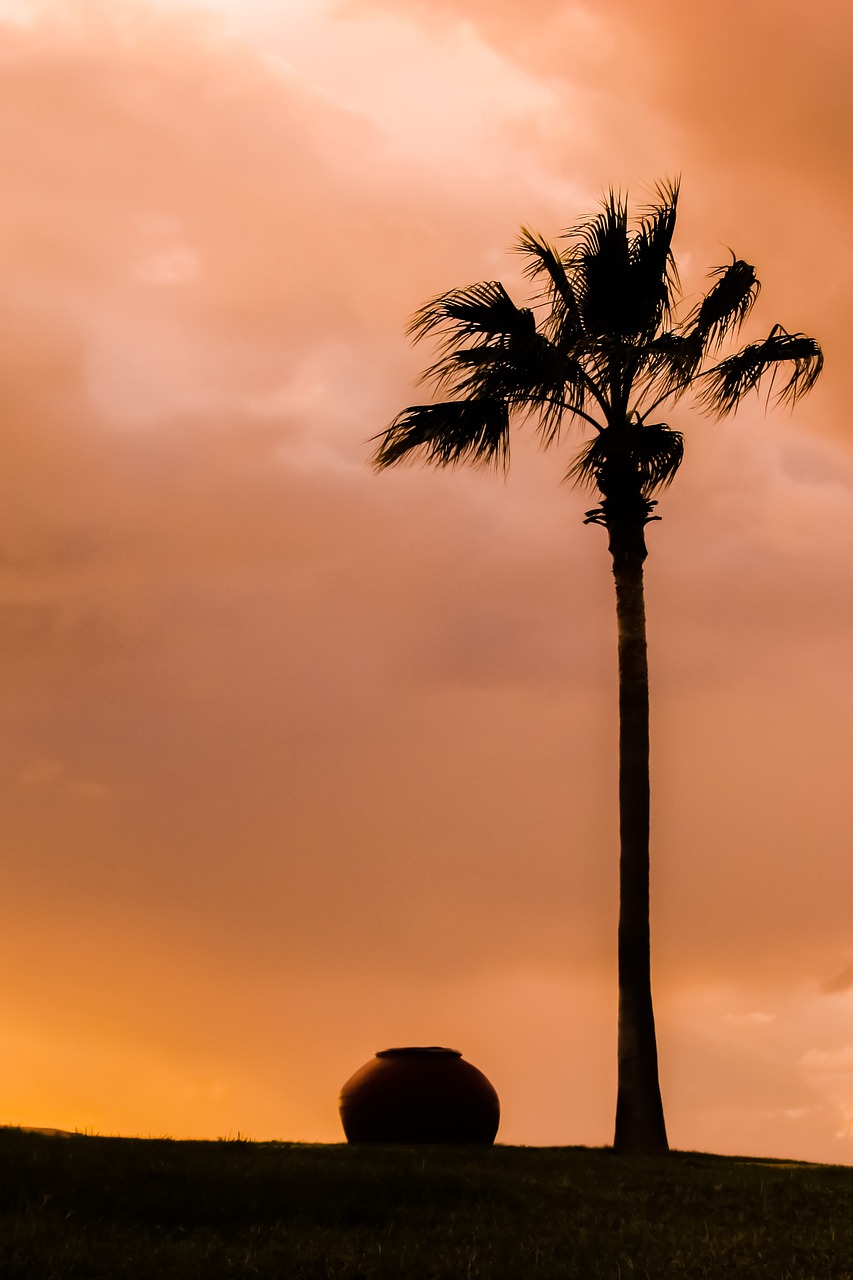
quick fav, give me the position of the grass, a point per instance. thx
(102, 1208)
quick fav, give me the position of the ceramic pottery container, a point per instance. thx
(426, 1094)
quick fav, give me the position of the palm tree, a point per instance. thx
(601, 346)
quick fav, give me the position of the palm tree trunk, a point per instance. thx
(640, 1126)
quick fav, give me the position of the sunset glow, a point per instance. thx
(301, 762)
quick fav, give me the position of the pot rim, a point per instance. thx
(411, 1051)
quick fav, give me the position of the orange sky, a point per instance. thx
(300, 762)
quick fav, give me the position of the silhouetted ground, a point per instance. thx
(102, 1208)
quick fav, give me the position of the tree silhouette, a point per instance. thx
(601, 345)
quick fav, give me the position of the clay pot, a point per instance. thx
(419, 1095)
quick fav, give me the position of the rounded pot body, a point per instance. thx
(419, 1094)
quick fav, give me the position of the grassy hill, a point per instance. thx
(103, 1208)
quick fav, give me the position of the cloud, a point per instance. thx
(833, 1062)
(352, 737)
(842, 981)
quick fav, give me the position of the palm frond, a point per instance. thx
(523, 366)
(459, 368)
(475, 431)
(726, 305)
(727, 383)
(666, 192)
(608, 229)
(544, 260)
(567, 393)
(600, 261)
(480, 311)
(643, 457)
(673, 357)
(626, 280)
(654, 272)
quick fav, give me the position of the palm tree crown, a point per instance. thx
(600, 344)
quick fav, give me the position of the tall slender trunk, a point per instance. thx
(640, 1126)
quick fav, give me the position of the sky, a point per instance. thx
(298, 761)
